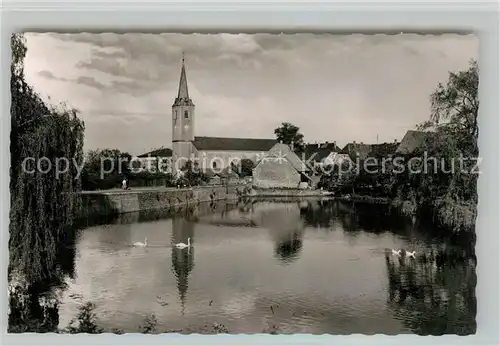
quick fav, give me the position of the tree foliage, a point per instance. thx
(288, 134)
(42, 204)
(338, 178)
(106, 168)
(244, 168)
(192, 175)
(444, 182)
(456, 105)
(449, 188)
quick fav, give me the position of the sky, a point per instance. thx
(343, 88)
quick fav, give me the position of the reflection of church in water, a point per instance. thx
(182, 259)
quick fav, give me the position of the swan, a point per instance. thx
(394, 252)
(182, 245)
(410, 254)
(142, 244)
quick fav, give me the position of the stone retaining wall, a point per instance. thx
(118, 202)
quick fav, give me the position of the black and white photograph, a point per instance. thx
(243, 183)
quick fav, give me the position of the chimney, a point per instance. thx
(281, 142)
(291, 145)
(319, 145)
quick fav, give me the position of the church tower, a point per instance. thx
(182, 123)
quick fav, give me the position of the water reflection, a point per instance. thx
(35, 307)
(285, 226)
(183, 259)
(432, 296)
(282, 219)
(338, 278)
(288, 250)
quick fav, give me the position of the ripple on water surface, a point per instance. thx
(303, 267)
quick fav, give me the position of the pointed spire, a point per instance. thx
(183, 94)
(183, 87)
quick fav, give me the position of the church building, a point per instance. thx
(210, 153)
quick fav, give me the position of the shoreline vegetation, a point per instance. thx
(42, 231)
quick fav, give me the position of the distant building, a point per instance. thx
(384, 149)
(150, 161)
(338, 159)
(352, 152)
(357, 151)
(215, 153)
(413, 140)
(319, 154)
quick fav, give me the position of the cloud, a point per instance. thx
(47, 74)
(334, 87)
(90, 81)
(82, 80)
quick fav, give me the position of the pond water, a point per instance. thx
(305, 266)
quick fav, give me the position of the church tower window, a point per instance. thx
(186, 114)
(214, 164)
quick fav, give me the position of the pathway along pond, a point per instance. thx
(302, 266)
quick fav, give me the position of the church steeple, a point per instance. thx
(182, 123)
(183, 94)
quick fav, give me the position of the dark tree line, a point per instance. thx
(106, 168)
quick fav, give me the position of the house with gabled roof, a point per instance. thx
(151, 160)
(318, 154)
(280, 167)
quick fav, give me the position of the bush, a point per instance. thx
(86, 321)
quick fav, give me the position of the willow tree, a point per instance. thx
(450, 188)
(42, 203)
(455, 106)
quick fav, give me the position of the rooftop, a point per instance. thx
(234, 144)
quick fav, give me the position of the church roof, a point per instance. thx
(233, 144)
